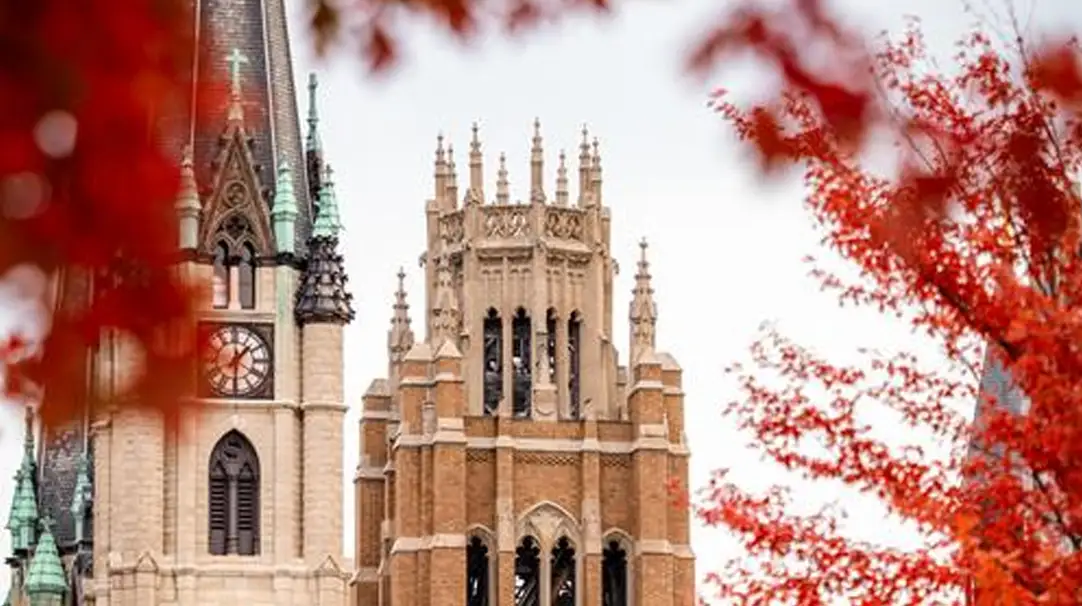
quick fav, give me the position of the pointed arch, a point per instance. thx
(563, 573)
(522, 383)
(236, 204)
(246, 276)
(574, 363)
(493, 361)
(548, 522)
(233, 496)
(527, 582)
(480, 567)
(616, 549)
(220, 284)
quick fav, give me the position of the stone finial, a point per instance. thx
(452, 177)
(503, 188)
(81, 497)
(585, 181)
(187, 205)
(476, 192)
(400, 337)
(441, 169)
(537, 166)
(284, 210)
(595, 172)
(561, 180)
(643, 311)
(312, 141)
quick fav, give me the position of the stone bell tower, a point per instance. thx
(508, 459)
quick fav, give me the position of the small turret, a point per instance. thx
(503, 188)
(81, 498)
(561, 180)
(322, 296)
(23, 521)
(584, 168)
(46, 582)
(284, 212)
(643, 311)
(476, 193)
(187, 205)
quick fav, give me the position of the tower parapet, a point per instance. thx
(508, 455)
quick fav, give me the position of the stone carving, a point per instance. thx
(547, 523)
(506, 222)
(564, 224)
(235, 194)
(452, 228)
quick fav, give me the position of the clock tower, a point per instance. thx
(242, 502)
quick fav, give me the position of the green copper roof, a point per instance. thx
(328, 223)
(23, 520)
(46, 575)
(285, 203)
(80, 499)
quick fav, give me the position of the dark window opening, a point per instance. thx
(220, 285)
(574, 361)
(520, 352)
(476, 573)
(562, 567)
(233, 499)
(493, 364)
(246, 277)
(528, 573)
(614, 575)
(550, 343)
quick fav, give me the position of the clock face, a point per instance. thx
(237, 362)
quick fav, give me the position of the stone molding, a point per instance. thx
(542, 444)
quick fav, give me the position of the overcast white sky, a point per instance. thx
(725, 251)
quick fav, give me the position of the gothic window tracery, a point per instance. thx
(520, 351)
(562, 570)
(246, 276)
(528, 573)
(614, 575)
(574, 365)
(233, 500)
(220, 284)
(477, 567)
(493, 363)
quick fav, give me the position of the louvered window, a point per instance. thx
(233, 500)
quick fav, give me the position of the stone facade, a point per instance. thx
(512, 423)
(242, 503)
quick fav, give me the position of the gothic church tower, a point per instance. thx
(508, 459)
(242, 503)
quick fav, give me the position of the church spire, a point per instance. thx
(400, 336)
(643, 312)
(322, 297)
(46, 582)
(313, 142)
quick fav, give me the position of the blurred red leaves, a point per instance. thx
(86, 186)
(973, 238)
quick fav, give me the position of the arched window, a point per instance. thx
(520, 352)
(562, 571)
(493, 365)
(574, 362)
(220, 285)
(528, 573)
(550, 343)
(614, 575)
(233, 500)
(246, 277)
(477, 566)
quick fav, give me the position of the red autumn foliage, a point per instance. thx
(974, 241)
